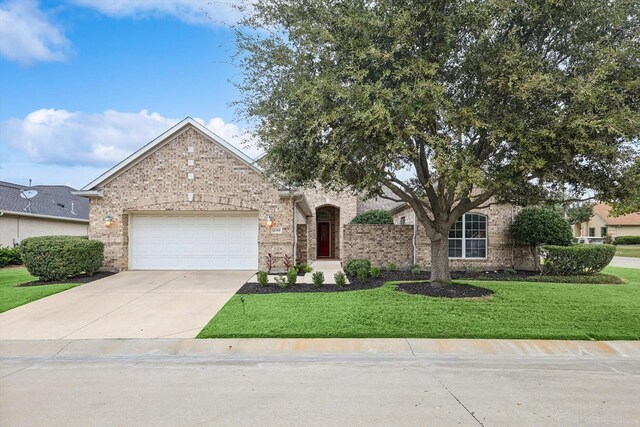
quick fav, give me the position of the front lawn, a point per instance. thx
(516, 310)
(12, 296)
(628, 250)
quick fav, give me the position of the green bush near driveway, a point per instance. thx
(576, 259)
(58, 257)
(12, 296)
(516, 310)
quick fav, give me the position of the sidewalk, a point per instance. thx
(329, 347)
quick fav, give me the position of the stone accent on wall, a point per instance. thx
(347, 204)
(159, 182)
(302, 243)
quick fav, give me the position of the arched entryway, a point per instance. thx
(327, 232)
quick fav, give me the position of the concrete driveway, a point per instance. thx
(131, 304)
(625, 261)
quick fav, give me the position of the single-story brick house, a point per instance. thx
(190, 200)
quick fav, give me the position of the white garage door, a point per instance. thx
(194, 242)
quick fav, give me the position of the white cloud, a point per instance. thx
(191, 11)
(27, 35)
(60, 137)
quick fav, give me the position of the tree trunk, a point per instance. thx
(536, 257)
(440, 273)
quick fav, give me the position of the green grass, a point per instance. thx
(516, 310)
(12, 296)
(628, 250)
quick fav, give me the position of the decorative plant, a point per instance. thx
(391, 266)
(269, 262)
(305, 267)
(281, 281)
(362, 274)
(263, 278)
(318, 278)
(415, 271)
(375, 272)
(340, 278)
(292, 276)
(287, 261)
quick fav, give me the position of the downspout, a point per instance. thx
(415, 238)
(513, 242)
(295, 231)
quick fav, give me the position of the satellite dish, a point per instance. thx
(28, 194)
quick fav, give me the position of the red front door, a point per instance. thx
(324, 239)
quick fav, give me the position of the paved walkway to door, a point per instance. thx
(131, 304)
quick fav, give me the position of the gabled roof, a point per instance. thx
(602, 210)
(53, 201)
(148, 148)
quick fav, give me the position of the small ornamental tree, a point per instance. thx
(580, 213)
(541, 226)
(448, 106)
(374, 216)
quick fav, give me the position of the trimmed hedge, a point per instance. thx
(356, 264)
(593, 279)
(576, 260)
(10, 256)
(58, 257)
(627, 240)
(374, 216)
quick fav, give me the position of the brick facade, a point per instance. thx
(302, 243)
(159, 182)
(394, 243)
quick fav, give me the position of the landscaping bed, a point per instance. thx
(83, 278)
(453, 290)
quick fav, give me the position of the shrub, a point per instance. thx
(58, 257)
(414, 267)
(263, 278)
(374, 216)
(627, 240)
(281, 281)
(305, 267)
(391, 266)
(577, 259)
(362, 274)
(317, 278)
(356, 264)
(541, 226)
(596, 279)
(340, 278)
(375, 272)
(269, 262)
(292, 276)
(510, 271)
(10, 256)
(287, 261)
(415, 271)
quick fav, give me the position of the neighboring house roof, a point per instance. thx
(142, 152)
(52, 201)
(602, 210)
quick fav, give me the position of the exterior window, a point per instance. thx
(403, 220)
(468, 237)
(603, 231)
(592, 232)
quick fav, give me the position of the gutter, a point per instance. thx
(286, 194)
(57, 218)
(89, 193)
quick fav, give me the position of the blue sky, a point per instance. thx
(84, 83)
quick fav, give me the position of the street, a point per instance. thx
(88, 388)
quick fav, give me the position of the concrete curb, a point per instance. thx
(398, 347)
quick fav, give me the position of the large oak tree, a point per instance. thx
(450, 104)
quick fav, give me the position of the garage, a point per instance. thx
(203, 241)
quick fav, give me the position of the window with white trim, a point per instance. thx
(468, 237)
(403, 220)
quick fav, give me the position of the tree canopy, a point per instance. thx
(450, 104)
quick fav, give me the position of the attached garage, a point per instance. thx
(196, 241)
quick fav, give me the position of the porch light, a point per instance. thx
(108, 220)
(269, 220)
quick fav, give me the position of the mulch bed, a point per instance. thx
(453, 290)
(272, 288)
(76, 279)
